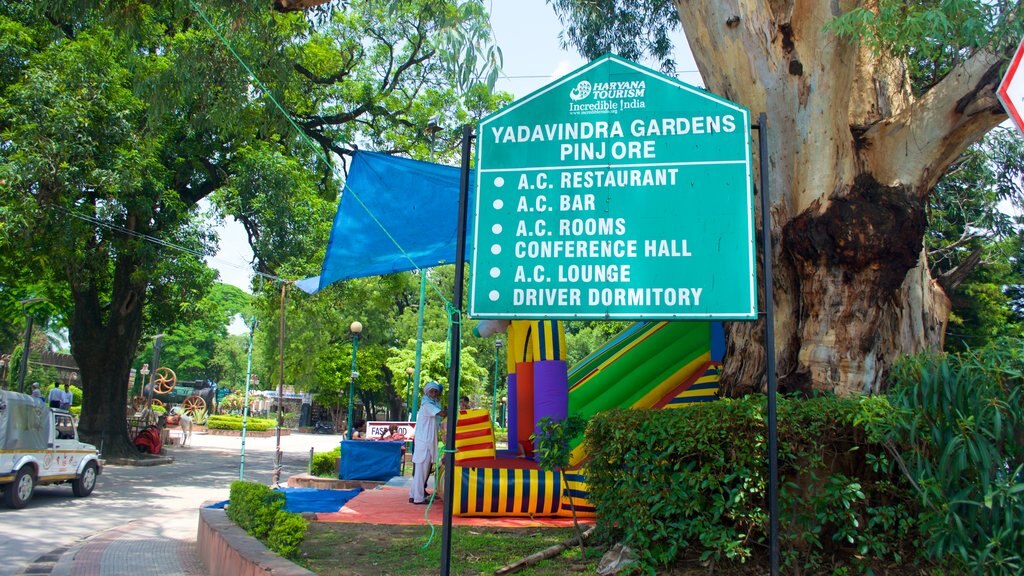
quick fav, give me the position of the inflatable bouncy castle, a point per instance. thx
(659, 365)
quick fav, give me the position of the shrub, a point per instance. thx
(254, 507)
(961, 431)
(233, 422)
(668, 480)
(287, 533)
(259, 511)
(325, 464)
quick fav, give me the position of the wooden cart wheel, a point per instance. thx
(164, 380)
(193, 405)
(158, 403)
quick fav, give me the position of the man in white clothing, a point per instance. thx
(424, 453)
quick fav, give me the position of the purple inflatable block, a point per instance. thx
(513, 412)
(550, 391)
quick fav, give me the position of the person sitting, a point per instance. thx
(463, 403)
(392, 434)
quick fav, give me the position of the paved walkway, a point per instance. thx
(141, 521)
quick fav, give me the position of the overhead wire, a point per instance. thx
(305, 137)
(159, 241)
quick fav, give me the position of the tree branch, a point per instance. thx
(953, 278)
(917, 145)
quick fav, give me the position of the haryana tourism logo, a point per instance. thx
(581, 91)
(607, 97)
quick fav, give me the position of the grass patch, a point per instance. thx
(368, 550)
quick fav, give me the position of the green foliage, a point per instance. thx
(287, 533)
(191, 343)
(972, 240)
(114, 155)
(201, 416)
(696, 478)
(254, 507)
(628, 28)
(961, 426)
(933, 35)
(234, 422)
(552, 444)
(325, 464)
(259, 511)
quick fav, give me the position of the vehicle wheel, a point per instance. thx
(83, 485)
(18, 493)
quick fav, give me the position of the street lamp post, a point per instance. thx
(253, 381)
(356, 328)
(144, 371)
(494, 390)
(23, 368)
(158, 342)
(408, 396)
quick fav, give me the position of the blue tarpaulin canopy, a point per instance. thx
(415, 203)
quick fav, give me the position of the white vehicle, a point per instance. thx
(39, 445)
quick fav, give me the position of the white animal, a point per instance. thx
(184, 423)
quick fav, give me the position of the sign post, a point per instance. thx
(1011, 89)
(615, 193)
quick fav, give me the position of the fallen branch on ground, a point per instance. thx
(542, 555)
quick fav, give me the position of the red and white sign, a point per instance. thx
(1011, 89)
(377, 428)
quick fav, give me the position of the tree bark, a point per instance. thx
(852, 157)
(103, 340)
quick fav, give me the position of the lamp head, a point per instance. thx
(356, 327)
(409, 371)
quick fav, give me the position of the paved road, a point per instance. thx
(141, 520)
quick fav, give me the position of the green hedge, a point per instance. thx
(325, 464)
(672, 481)
(234, 422)
(259, 511)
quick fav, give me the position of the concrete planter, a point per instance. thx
(227, 550)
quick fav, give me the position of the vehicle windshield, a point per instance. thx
(65, 427)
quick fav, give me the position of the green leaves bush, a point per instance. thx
(253, 507)
(325, 464)
(234, 422)
(960, 428)
(287, 533)
(671, 480)
(259, 511)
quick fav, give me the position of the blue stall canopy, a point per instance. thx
(415, 202)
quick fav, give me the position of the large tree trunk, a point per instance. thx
(852, 157)
(103, 340)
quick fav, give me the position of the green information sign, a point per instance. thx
(614, 192)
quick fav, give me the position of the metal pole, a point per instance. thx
(419, 342)
(23, 367)
(158, 342)
(494, 389)
(245, 406)
(453, 370)
(352, 381)
(276, 478)
(769, 344)
(432, 129)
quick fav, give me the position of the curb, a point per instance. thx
(227, 550)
